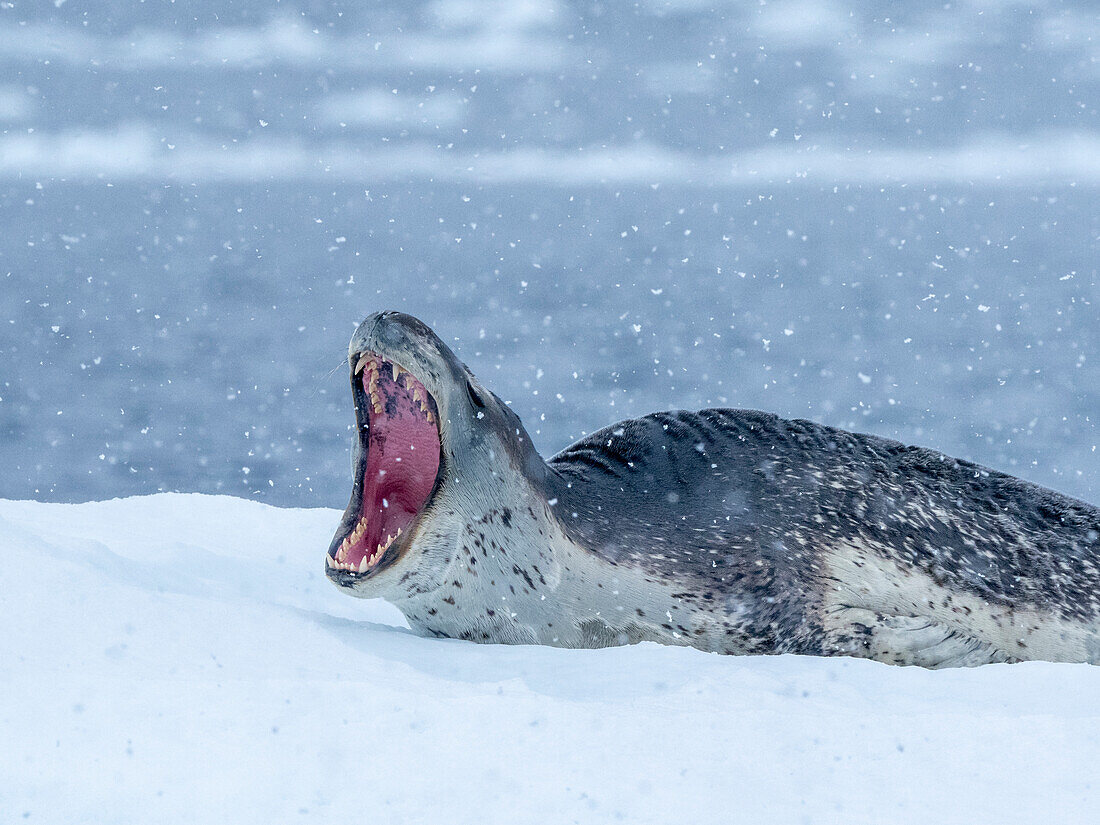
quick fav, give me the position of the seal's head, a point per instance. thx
(429, 438)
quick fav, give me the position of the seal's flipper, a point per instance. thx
(907, 640)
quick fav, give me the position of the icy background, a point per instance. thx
(885, 223)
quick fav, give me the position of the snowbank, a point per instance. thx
(182, 658)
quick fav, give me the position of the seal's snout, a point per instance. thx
(365, 333)
(396, 332)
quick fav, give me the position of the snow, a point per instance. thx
(181, 658)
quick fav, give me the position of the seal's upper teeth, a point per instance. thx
(396, 371)
(363, 361)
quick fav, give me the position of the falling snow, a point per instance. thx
(882, 218)
(606, 211)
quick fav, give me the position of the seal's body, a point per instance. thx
(728, 530)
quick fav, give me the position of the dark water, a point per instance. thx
(166, 328)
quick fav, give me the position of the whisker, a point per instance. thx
(321, 378)
(341, 364)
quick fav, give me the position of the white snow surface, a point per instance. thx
(182, 658)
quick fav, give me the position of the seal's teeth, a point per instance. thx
(328, 561)
(364, 564)
(417, 397)
(377, 408)
(396, 371)
(361, 363)
(431, 418)
(355, 535)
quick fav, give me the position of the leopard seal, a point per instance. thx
(732, 531)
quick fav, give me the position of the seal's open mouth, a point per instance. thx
(398, 467)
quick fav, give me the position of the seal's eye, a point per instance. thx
(475, 396)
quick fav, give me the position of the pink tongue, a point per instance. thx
(402, 462)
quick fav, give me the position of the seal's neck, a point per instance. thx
(498, 564)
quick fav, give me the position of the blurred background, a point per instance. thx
(882, 217)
